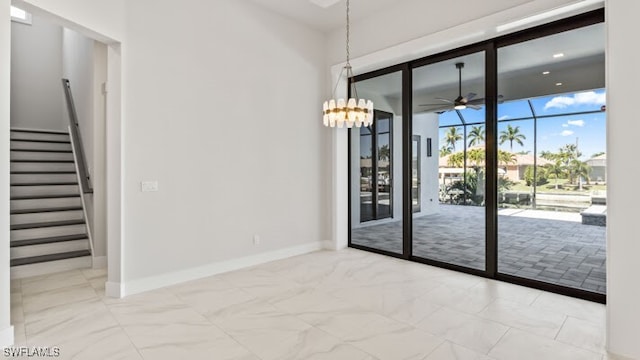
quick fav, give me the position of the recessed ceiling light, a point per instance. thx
(545, 73)
(558, 84)
(18, 13)
(558, 55)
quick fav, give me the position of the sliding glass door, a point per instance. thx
(491, 159)
(552, 178)
(376, 168)
(448, 107)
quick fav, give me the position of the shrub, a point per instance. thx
(541, 176)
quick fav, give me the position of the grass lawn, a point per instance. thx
(563, 187)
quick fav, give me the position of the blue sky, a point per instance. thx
(587, 130)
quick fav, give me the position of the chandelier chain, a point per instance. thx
(348, 31)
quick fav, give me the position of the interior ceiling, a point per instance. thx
(520, 70)
(328, 15)
(325, 15)
(520, 66)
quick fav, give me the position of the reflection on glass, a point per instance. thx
(384, 184)
(366, 175)
(416, 171)
(376, 168)
(552, 162)
(448, 190)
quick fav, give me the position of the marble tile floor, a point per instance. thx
(348, 304)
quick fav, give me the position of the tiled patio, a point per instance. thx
(553, 247)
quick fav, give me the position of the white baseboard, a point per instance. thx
(6, 337)
(159, 281)
(99, 262)
(113, 290)
(329, 245)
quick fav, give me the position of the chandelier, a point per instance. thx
(354, 111)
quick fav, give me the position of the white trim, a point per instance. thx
(329, 245)
(6, 337)
(99, 262)
(155, 282)
(113, 290)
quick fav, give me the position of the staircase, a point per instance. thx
(48, 226)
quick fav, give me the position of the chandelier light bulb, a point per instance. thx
(354, 111)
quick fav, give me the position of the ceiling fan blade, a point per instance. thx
(439, 105)
(471, 96)
(445, 100)
(474, 107)
(476, 101)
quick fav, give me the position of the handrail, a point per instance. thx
(76, 142)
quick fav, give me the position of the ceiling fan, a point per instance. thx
(461, 102)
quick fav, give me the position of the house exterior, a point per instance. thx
(598, 169)
(516, 170)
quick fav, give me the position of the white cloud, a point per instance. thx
(559, 102)
(567, 133)
(503, 117)
(579, 123)
(565, 125)
(583, 98)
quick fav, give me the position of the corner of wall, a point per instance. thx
(149, 283)
(6, 337)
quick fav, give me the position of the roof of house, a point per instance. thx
(527, 159)
(600, 160)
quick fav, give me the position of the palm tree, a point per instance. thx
(580, 169)
(451, 137)
(556, 168)
(476, 135)
(384, 153)
(547, 155)
(445, 150)
(505, 157)
(456, 160)
(568, 154)
(512, 134)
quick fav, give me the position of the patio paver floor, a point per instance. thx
(541, 245)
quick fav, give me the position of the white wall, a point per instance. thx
(85, 65)
(98, 174)
(102, 20)
(222, 108)
(36, 73)
(6, 331)
(426, 125)
(623, 267)
(77, 66)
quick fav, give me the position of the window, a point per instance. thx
(21, 16)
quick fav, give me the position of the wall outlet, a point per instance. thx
(256, 239)
(146, 186)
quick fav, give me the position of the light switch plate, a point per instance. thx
(147, 186)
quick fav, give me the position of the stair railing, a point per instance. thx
(76, 140)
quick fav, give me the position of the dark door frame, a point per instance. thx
(490, 49)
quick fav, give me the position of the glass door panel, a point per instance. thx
(449, 112)
(376, 168)
(552, 178)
